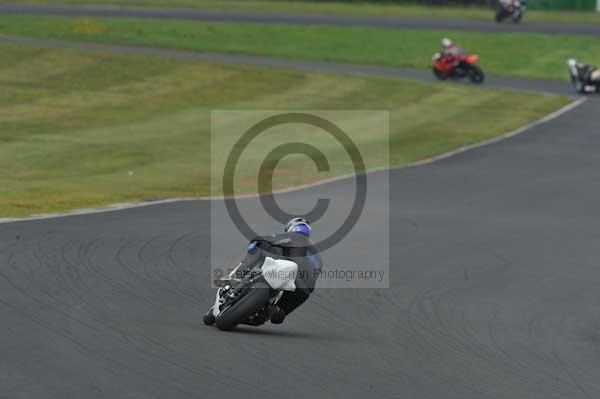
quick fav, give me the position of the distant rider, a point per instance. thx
(295, 245)
(590, 72)
(513, 3)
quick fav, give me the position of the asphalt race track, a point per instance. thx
(493, 291)
(503, 82)
(303, 19)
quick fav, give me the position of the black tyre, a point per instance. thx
(252, 302)
(208, 318)
(439, 75)
(517, 18)
(499, 16)
(475, 74)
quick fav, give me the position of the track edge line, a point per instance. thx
(446, 155)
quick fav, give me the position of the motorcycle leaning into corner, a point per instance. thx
(457, 67)
(513, 9)
(584, 77)
(277, 275)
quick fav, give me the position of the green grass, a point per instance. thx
(525, 55)
(331, 7)
(85, 128)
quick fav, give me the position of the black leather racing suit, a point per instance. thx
(291, 246)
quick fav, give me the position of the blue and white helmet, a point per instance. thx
(298, 225)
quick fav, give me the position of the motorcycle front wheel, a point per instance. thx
(208, 318)
(475, 74)
(257, 297)
(579, 86)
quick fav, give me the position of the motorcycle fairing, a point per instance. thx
(218, 300)
(216, 309)
(472, 59)
(280, 274)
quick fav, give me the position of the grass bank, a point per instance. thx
(332, 7)
(85, 128)
(525, 55)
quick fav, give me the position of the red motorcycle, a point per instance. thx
(457, 67)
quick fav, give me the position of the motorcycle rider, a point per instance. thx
(591, 72)
(450, 49)
(513, 3)
(293, 244)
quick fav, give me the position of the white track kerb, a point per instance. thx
(130, 205)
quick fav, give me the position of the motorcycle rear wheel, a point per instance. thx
(252, 302)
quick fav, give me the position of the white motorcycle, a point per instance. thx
(245, 300)
(584, 77)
